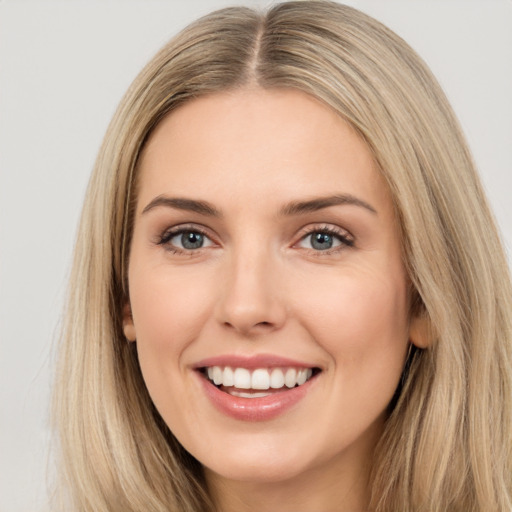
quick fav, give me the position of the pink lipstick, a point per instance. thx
(256, 388)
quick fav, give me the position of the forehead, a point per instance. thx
(249, 142)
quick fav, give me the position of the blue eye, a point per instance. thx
(186, 240)
(322, 241)
(325, 240)
(189, 240)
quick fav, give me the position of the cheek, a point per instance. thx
(360, 321)
(168, 307)
(169, 311)
(362, 325)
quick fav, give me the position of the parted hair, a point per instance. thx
(447, 440)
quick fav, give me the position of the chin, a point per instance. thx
(260, 463)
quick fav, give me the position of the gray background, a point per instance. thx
(63, 68)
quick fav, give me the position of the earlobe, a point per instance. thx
(420, 332)
(128, 325)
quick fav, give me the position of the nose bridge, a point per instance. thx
(250, 298)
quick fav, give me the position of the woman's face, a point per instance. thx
(266, 252)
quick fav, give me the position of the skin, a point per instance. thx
(258, 286)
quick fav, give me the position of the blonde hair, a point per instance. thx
(447, 442)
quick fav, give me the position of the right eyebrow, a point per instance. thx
(181, 203)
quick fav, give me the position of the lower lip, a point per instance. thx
(255, 409)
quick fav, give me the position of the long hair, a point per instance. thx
(447, 440)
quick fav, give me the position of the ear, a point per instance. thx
(420, 334)
(128, 326)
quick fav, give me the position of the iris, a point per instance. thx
(192, 240)
(321, 241)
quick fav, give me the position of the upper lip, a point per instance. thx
(252, 362)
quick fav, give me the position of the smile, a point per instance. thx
(259, 382)
(256, 388)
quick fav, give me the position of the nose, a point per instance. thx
(252, 298)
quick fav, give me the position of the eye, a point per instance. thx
(189, 240)
(326, 239)
(183, 239)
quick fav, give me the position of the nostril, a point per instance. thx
(248, 328)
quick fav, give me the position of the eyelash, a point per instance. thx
(346, 241)
(168, 235)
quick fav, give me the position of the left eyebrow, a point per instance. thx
(298, 207)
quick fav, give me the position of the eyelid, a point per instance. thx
(168, 234)
(346, 239)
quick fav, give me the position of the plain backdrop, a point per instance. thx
(64, 66)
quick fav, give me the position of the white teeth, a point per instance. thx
(301, 377)
(259, 379)
(228, 377)
(290, 378)
(242, 378)
(242, 394)
(217, 375)
(276, 378)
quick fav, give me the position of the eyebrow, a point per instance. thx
(293, 208)
(181, 203)
(298, 207)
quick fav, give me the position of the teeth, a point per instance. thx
(242, 378)
(259, 379)
(276, 378)
(242, 394)
(228, 377)
(290, 378)
(301, 377)
(217, 375)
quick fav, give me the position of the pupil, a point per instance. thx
(191, 240)
(321, 241)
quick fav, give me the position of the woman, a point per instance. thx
(288, 291)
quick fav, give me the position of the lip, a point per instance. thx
(252, 362)
(253, 409)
